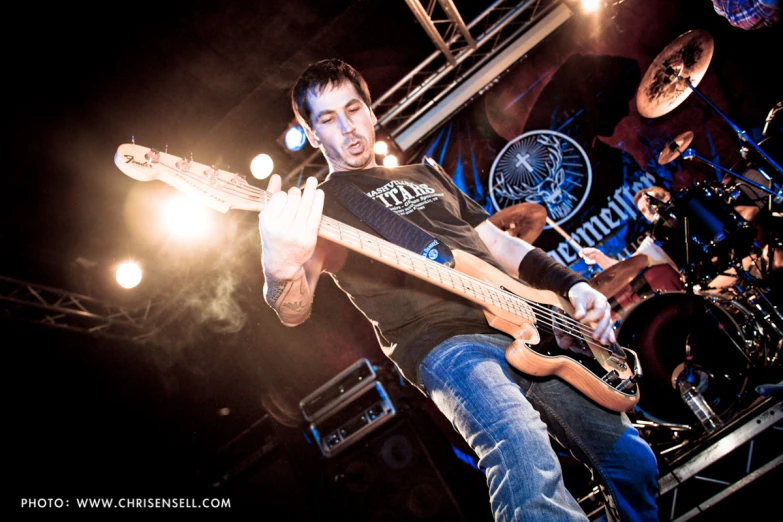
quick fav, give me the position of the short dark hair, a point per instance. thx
(657, 192)
(320, 75)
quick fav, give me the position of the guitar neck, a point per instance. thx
(223, 191)
(421, 267)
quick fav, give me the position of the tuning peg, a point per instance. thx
(238, 179)
(183, 165)
(211, 172)
(212, 175)
(153, 156)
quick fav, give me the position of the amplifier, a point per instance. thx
(352, 420)
(340, 388)
(347, 407)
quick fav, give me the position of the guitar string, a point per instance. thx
(362, 240)
(547, 317)
(494, 296)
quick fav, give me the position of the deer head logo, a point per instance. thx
(543, 167)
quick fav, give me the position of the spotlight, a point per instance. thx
(186, 218)
(128, 274)
(390, 161)
(295, 138)
(381, 148)
(262, 166)
(588, 6)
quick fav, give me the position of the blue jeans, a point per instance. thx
(507, 418)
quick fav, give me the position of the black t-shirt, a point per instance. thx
(411, 316)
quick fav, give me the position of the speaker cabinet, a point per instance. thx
(393, 476)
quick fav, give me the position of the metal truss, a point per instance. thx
(70, 311)
(501, 23)
(462, 50)
(449, 34)
(700, 467)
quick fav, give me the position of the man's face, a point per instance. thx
(343, 127)
(644, 206)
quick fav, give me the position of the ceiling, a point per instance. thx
(203, 77)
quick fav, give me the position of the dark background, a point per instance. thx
(100, 416)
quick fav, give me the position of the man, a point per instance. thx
(647, 201)
(441, 342)
(655, 254)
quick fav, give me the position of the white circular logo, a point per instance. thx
(544, 167)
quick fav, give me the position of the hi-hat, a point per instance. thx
(687, 57)
(617, 276)
(675, 147)
(524, 220)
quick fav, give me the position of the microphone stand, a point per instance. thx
(743, 136)
(689, 153)
(688, 265)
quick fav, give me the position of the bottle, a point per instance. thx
(695, 401)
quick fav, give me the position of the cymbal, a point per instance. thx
(614, 278)
(524, 220)
(687, 57)
(675, 147)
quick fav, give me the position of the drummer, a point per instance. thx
(655, 254)
(646, 201)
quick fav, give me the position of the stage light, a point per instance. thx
(185, 217)
(295, 138)
(381, 148)
(588, 6)
(261, 166)
(128, 274)
(390, 161)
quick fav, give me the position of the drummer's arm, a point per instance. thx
(593, 256)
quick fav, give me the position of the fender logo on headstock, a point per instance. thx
(130, 159)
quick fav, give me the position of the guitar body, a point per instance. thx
(605, 374)
(587, 373)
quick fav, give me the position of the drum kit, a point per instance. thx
(703, 349)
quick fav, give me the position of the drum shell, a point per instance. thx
(717, 232)
(674, 329)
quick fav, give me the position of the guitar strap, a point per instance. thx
(388, 224)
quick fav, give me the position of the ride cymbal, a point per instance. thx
(675, 147)
(687, 57)
(524, 220)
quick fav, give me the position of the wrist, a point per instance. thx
(575, 288)
(282, 274)
(541, 271)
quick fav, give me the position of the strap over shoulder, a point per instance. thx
(391, 226)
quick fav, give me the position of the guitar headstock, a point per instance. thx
(211, 186)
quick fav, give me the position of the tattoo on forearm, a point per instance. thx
(289, 296)
(296, 307)
(275, 289)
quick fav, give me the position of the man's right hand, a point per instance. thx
(288, 226)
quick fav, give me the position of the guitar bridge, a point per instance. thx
(617, 362)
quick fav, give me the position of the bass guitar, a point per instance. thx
(607, 374)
